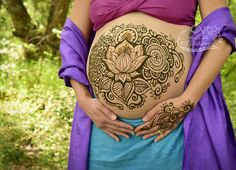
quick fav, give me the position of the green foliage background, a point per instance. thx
(35, 106)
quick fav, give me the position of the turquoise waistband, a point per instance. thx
(131, 121)
(136, 153)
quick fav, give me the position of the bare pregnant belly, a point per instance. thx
(137, 61)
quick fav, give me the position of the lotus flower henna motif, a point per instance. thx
(135, 60)
(124, 59)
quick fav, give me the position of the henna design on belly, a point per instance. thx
(130, 61)
(169, 116)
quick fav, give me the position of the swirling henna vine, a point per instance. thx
(170, 116)
(129, 62)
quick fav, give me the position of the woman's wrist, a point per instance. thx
(187, 95)
(81, 91)
(83, 98)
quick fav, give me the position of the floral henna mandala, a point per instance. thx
(170, 116)
(129, 62)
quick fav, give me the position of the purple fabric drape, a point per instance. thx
(209, 138)
(74, 52)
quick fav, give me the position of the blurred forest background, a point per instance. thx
(35, 106)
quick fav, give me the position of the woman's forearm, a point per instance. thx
(81, 90)
(211, 64)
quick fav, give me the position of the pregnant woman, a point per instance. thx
(147, 97)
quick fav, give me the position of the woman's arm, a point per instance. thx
(80, 17)
(211, 64)
(213, 59)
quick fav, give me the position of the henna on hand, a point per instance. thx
(170, 116)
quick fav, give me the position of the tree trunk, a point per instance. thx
(27, 31)
(23, 25)
(56, 19)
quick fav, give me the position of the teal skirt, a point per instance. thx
(136, 153)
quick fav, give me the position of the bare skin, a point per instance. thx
(133, 66)
(101, 113)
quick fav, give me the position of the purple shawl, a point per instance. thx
(209, 141)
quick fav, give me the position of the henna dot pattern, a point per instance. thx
(131, 61)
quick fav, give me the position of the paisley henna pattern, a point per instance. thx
(170, 116)
(129, 62)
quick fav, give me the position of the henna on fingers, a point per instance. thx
(169, 116)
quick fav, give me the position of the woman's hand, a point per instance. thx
(105, 119)
(164, 118)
